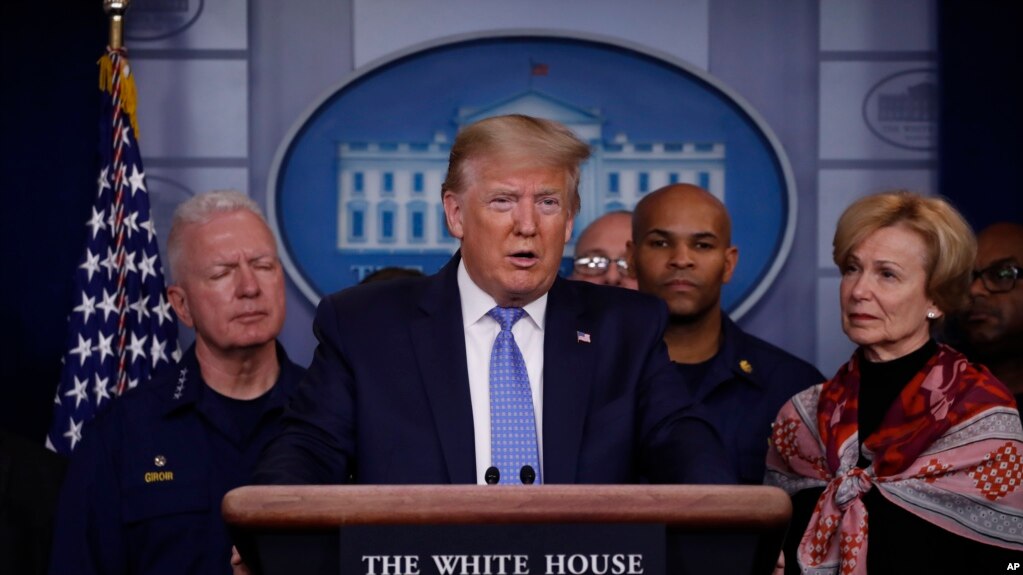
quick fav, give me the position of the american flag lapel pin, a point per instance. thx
(582, 337)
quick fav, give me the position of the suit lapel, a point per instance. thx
(567, 372)
(439, 341)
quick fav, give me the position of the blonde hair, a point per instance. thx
(950, 244)
(517, 138)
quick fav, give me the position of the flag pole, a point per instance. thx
(115, 9)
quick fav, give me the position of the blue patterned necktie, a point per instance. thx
(512, 425)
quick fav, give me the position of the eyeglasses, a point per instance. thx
(997, 278)
(598, 265)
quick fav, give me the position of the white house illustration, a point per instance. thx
(389, 197)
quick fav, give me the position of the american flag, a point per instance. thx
(122, 327)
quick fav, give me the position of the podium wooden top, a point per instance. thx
(730, 507)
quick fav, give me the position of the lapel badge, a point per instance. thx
(582, 337)
(745, 366)
(158, 476)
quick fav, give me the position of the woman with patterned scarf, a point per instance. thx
(910, 459)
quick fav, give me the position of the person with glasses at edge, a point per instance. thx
(993, 322)
(600, 251)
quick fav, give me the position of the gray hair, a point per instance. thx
(200, 209)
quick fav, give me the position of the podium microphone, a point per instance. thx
(527, 475)
(492, 475)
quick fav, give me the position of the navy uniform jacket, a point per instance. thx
(747, 383)
(386, 399)
(143, 492)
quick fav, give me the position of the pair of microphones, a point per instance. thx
(527, 475)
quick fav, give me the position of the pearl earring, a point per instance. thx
(931, 315)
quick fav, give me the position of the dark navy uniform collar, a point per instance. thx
(187, 387)
(732, 361)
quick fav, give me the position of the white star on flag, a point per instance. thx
(78, 392)
(108, 305)
(87, 307)
(147, 266)
(130, 225)
(150, 229)
(162, 310)
(140, 308)
(112, 220)
(157, 351)
(91, 263)
(129, 262)
(125, 138)
(104, 346)
(74, 432)
(103, 182)
(84, 349)
(137, 346)
(110, 262)
(96, 222)
(137, 180)
(100, 389)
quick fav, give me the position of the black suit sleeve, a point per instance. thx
(678, 444)
(317, 443)
(687, 449)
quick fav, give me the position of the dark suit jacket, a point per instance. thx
(386, 399)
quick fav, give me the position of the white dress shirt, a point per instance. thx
(480, 332)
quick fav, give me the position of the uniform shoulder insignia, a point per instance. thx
(182, 377)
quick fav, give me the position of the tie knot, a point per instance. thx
(506, 316)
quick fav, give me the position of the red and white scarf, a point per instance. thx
(949, 450)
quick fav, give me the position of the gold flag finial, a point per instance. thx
(115, 9)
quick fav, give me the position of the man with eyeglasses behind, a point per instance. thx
(993, 324)
(600, 251)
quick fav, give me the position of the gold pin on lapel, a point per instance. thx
(745, 366)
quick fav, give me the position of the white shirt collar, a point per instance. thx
(476, 302)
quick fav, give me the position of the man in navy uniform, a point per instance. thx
(411, 377)
(682, 252)
(143, 492)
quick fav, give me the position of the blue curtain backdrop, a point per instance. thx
(981, 91)
(50, 134)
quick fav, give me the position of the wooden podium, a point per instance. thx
(726, 525)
